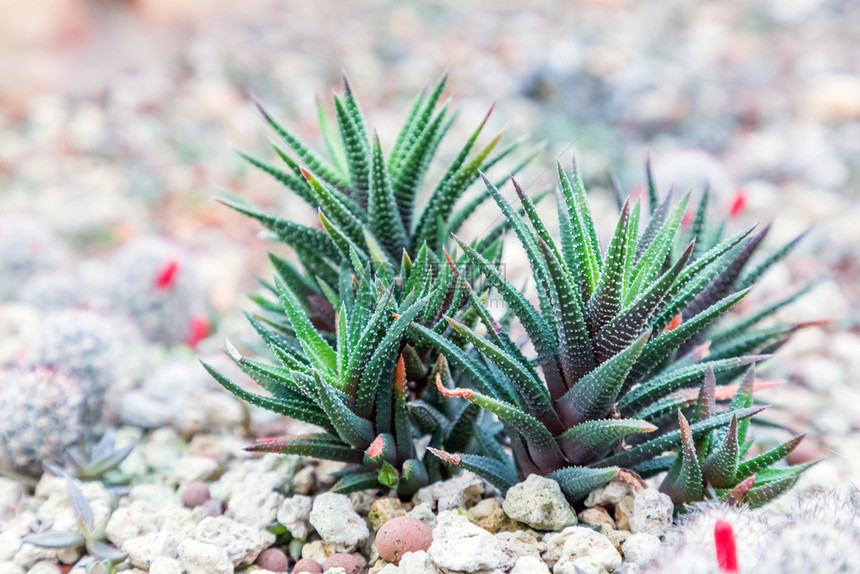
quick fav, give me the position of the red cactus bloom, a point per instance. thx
(674, 323)
(198, 329)
(727, 552)
(166, 276)
(739, 203)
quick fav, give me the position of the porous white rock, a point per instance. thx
(529, 565)
(424, 513)
(417, 563)
(317, 551)
(241, 542)
(463, 490)
(519, 543)
(190, 468)
(10, 493)
(11, 568)
(295, 513)
(202, 558)
(131, 521)
(539, 502)
(255, 508)
(164, 565)
(337, 522)
(582, 548)
(610, 493)
(142, 550)
(641, 548)
(178, 520)
(461, 546)
(10, 543)
(652, 512)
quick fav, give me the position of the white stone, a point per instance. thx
(463, 490)
(164, 565)
(337, 522)
(178, 520)
(641, 548)
(242, 543)
(201, 558)
(424, 513)
(462, 546)
(335, 570)
(11, 568)
(611, 493)
(417, 563)
(580, 547)
(317, 551)
(520, 543)
(539, 502)
(190, 468)
(144, 549)
(131, 521)
(10, 493)
(652, 512)
(294, 514)
(257, 508)
(10, 543)
(530, 565)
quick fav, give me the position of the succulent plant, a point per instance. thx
(95, 462)
(355, 386)
(41, 418)
(338, 327)
(616, 337)
(100, 557)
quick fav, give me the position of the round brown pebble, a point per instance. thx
(307, 565)
(273, 559)
(401, 535)
(195, 493)
(348, 562)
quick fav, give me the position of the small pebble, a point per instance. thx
(348, 562)
(273, 559)
(307, 565)
(195, 494)
(401, 535)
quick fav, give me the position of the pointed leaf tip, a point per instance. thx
(455, 392)
(448, 457)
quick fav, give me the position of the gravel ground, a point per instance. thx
(118, 118)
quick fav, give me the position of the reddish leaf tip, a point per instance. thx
(739, 203)
(375, 448)
(455, 392)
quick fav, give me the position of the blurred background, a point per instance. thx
(119, 120)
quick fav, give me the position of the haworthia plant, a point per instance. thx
(620, 336)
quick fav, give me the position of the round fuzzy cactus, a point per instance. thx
(41, 417)
(148, 281)
(27, 248)
(83, 344)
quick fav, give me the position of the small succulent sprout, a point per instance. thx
(95, 462)
(100, 556)
(620, 338)
(401, 535)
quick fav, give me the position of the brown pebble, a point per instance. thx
(401, 535)
(195, 493)
(273, 559)
(308, 566)
(348, 562)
